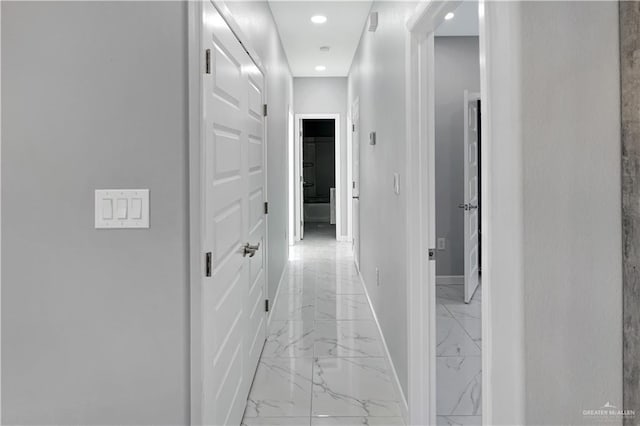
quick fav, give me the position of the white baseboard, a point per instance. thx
(272, 303)
(404, 406)
(449, 279)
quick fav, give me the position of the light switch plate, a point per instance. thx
(121, 208)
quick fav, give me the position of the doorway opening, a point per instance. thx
(317, 171)
(458, 357)
(318, 175)
(433, 395)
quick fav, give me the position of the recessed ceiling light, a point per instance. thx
(318, 19)
(325, 48)
(449, 15)
(321, 68)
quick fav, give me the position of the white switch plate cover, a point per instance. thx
(121, 208)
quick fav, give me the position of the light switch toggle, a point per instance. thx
(107, 209)
(136, 208)
(122, 208)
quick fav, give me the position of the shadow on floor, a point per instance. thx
(319, 231)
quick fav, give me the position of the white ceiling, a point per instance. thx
(302, 39)
(464, 23)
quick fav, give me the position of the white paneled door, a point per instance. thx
(233, 294)
(355, 210)
(471, 192)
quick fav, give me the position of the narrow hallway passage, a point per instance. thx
(323, 362)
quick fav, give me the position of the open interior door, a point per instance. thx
(471, 195)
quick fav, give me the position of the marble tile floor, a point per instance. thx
(458, 357)
(323, 362)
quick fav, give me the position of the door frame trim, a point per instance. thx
(195, 74)
(502, 282)
(196, 193)
(0, 218)
(349, 177)
(338, 163)
(291, 162)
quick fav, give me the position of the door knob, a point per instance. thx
(250, 250)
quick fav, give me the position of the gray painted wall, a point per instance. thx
(94, 322)
(457, 68)
(256, 22)
(570, 136)
(377, 78)
(317, 95)
(555, 293)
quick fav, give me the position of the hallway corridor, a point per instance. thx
(323, 362)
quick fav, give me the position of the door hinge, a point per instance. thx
(266, 207)
(264, 110)
(353, 127)
(432, 254)
(207, 268)
(266, 305)
(207, 56)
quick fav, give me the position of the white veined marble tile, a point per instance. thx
(281, 388)
(473, 328)
(442, 312)
(353, 387)
(276, 421)
(459, 421)
(339, 288)
(342, 307)
(347, 339)
(289, 339)
(357, 421)
(295, 283)
(462, 310)
(294, 307)
(458, 385)
(449, 294)
(453, 340)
